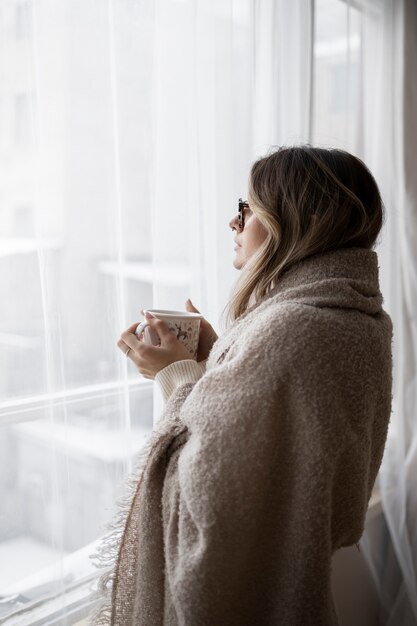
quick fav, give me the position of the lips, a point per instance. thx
(238, 244)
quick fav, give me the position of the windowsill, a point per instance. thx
(107, 446)
(33, 407)
(172, 274)
(74, 576)
(10, 246)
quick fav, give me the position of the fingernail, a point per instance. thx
(148, 315)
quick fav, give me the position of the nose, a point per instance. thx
(234, 223)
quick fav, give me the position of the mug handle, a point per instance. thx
(140, 328)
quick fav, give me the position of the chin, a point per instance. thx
(238, 264)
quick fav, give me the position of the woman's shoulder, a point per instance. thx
(270, 330)
(301, 333)
(332, 339)
(287, 328)
(275, 313)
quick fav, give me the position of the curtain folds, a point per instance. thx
(390, 103)
(222, 90)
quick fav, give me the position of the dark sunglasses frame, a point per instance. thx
(241, 214)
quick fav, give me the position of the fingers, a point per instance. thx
(124, 347)
(161, 329)
(160, 326)
(203, 322)
(128, 339)
(190, 306)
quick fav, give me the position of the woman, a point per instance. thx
(264, 459)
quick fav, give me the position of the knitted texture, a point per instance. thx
(178, 373)
(259, 471)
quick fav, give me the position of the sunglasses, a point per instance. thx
(241, 213)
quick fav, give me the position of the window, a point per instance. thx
(81, 250)
(23, 221)
(23, 19)
(337, 49)
(71, 420)
(24, 120)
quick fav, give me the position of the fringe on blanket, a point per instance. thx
(107, 553)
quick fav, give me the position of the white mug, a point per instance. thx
(183, 325)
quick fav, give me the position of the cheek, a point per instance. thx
(259, 235)
(253, 236)
(262, 233)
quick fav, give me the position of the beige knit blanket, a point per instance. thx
(258, 472)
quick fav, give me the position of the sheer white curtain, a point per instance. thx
(224, 76)
(390, 148)
(127, 130)
(222, 98)
(365, 99)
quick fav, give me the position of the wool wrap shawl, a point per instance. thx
(256, 474)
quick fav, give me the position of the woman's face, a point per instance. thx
(249, 239)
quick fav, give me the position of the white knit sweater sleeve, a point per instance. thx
(178, 373)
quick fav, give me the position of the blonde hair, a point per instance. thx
(309, 200)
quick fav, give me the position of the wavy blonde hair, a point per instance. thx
(309, 200)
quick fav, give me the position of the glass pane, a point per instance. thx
(337, 50)
(74, 158)
(60, 477)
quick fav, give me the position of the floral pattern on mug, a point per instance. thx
(187, 333)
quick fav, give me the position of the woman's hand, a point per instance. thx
(151, 359)
(207, 334)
